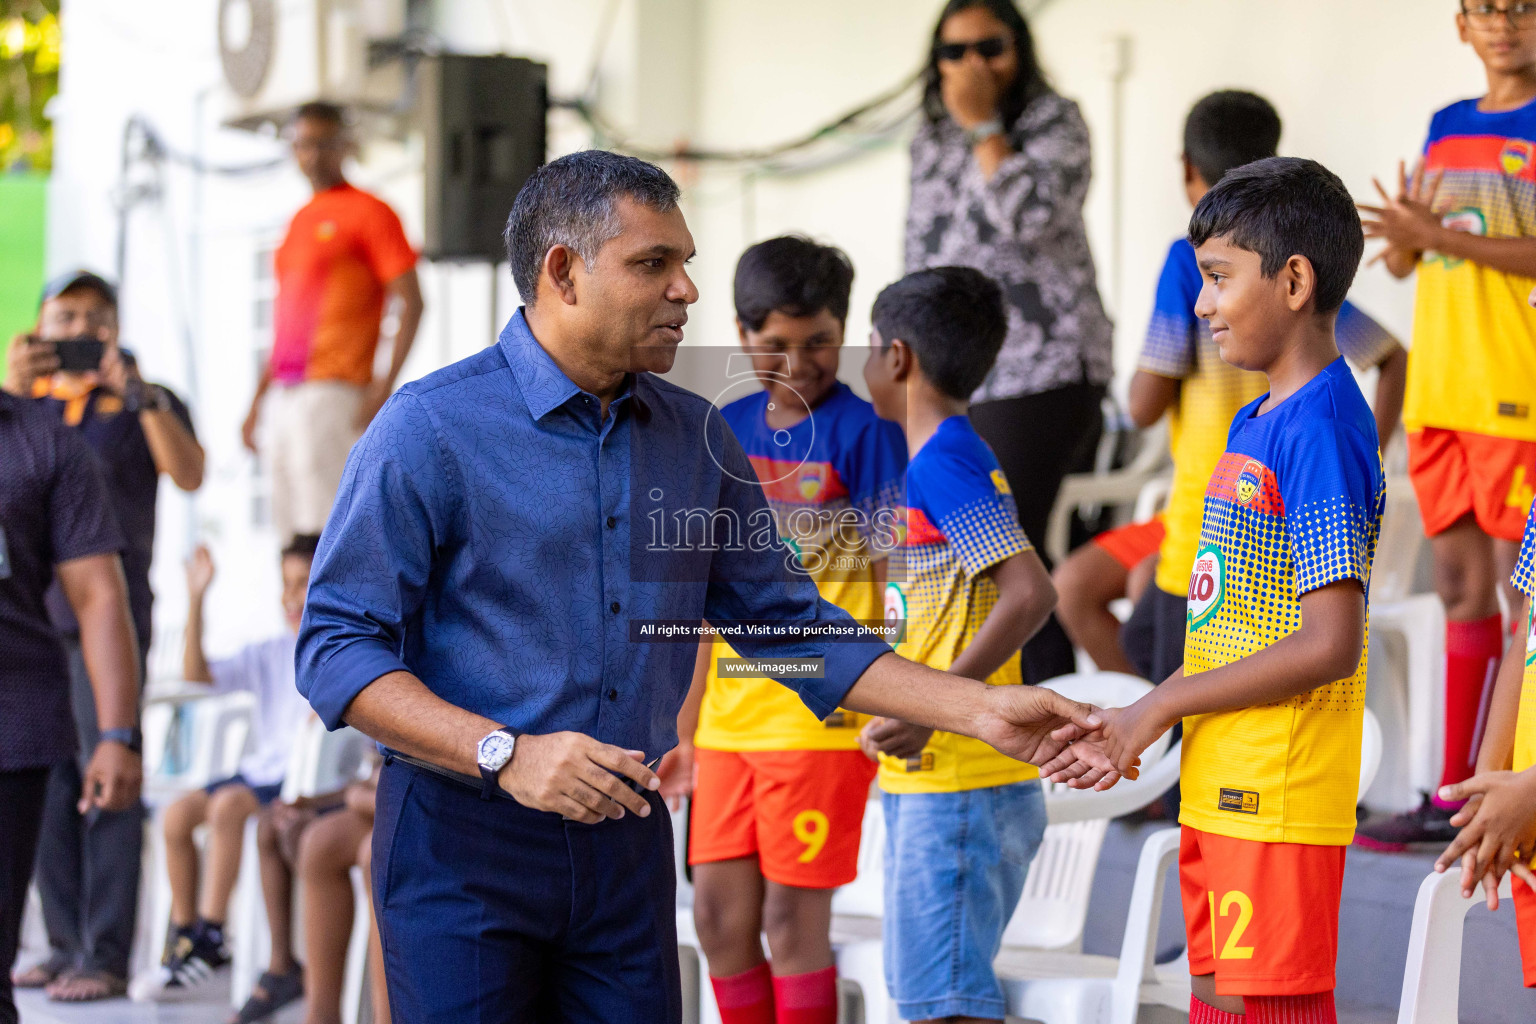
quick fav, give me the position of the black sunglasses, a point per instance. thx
(987, 48)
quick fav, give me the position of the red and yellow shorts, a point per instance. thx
(1455, 472)
(1130, 545)
(801, 812)
(1525, 922)
(1262, 917)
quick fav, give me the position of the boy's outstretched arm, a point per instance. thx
(1500, 805)
(1150, 396)
(1025, 597)
(1325, 648)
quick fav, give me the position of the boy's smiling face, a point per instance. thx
(796, 357)
(1247, 311)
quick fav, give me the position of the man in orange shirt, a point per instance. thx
(345, 254)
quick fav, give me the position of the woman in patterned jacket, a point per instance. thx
(1000, 168)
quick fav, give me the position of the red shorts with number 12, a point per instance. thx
(1262, 917)
(800, 811)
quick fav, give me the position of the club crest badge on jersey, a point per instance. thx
(1207, 586)
(1516, 156)
(1000, 481)
(1248, 481)
(811, 480)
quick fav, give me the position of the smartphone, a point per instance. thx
(80, 355)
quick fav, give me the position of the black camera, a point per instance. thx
(80, 355)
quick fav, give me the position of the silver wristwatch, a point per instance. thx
(984, 131)
(492, 754)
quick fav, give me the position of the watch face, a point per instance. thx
(495, 751)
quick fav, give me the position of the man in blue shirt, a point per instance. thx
(480, 604)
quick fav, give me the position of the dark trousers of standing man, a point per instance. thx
(21, 815)
(492, 913)
(87, 865)
(1038, 440)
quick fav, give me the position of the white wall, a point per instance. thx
(1355, 81)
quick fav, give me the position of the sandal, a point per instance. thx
(39, 975)
(86, 987)
(272, 993)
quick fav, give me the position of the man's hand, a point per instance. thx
(893, 737)
(573, 775)
(116, 375)
(289, 820)
(112, 779)
(1407, 221)
(28, 358)
(679, 774)
(1125, 734)
(374, 396)
(248, 427)
(1498, 830)
(969, 90)
(199, 572)
(1034, 724)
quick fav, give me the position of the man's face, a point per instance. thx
(632, 303)
(78, 312)
(295, 588)
(795, 356)
(319, 148)
(1246, 311)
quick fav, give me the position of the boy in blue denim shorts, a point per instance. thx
(963, 821)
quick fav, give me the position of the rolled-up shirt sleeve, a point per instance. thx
(747, 584)
(374, 560)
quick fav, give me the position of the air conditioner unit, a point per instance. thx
(277, 54)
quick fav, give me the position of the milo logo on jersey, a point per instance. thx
(1468, 219)
(1207, 586)
(895, 613)
(1249, 479)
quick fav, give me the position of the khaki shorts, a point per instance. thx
(313, 426)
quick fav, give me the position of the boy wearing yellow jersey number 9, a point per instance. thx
(1272, 691)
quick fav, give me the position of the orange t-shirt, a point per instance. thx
(342, 248)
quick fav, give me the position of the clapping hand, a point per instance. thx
(1407, 221)
(1498, 830)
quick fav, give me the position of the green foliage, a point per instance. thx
(29, 78)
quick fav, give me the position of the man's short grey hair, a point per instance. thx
(570, 202)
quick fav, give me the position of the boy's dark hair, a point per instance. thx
(953, 320)
(793, 275)
(319, 110)
(570, 201)
(1283, 207)
(1228, 129)
(1027, 86)
(302, 545)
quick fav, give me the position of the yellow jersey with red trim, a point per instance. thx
(961, 520)
(833, 481)
(1211, 391)
(1524, 579)
(1295, 504)
(1472, 366)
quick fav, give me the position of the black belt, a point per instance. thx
(467, 781)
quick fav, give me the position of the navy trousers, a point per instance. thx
(491, 913)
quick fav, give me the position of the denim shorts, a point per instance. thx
(955, 865)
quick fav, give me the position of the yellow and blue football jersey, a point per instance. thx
(1295, 504)
(961, 520)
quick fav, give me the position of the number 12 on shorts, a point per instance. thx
(1233, 903)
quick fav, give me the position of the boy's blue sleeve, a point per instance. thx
(1172, 333)
(873, 465)
(971, 504)
(1331, 482)
(1524, 577)
(1363, 341)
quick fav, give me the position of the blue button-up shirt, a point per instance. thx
(482, 539)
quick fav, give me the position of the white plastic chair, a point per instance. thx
(1117, 487)
(1432, 975)
(321, 762)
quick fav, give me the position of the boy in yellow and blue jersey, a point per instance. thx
(1498, 821)
(962, 820)
(1181, 372)
(1272, 691)
(1464, 223)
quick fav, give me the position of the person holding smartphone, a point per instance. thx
(72, 367)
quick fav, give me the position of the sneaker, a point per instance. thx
(1429, 823)
(195, 953)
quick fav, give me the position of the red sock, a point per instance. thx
(745, 998)
(1472, 652)
(1316, 1008)
(1205, 1013)
(806, 998)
